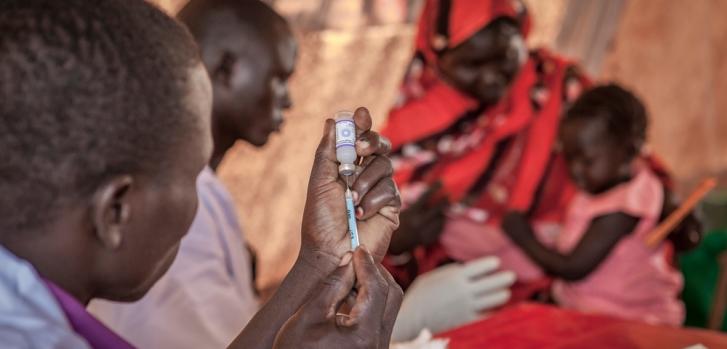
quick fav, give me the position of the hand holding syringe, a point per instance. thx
(375, 199)
(324, 260)
(346, 155)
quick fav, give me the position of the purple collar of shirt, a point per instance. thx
(84, 324)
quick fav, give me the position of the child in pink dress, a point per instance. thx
(600, 261)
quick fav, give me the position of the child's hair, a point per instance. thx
(623, 113)
(88, 89)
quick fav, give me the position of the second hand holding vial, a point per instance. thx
(346, 156)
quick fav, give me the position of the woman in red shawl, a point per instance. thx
(473, 138)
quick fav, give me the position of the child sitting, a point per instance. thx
(600, 259)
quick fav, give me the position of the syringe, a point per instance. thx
(351, 213)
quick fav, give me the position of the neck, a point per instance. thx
(69, 282)
(60, 258)
(223, 141)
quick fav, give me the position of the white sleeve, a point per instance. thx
(197, 304)
(31, 334)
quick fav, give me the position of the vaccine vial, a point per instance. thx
(345, 143)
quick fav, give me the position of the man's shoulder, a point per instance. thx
(212, 193)
(29, 315)
(20, 332)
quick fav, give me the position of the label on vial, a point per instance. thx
(345, 133)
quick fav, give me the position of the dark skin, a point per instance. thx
(116, 242)
(108, 252)
(483, 67)
(104, 240)
(325, 244)
(425, 217)
(596, 163)
(596, 169)
(250, 72)
(600, 238)
(250, 52)
(321, 323)
(688, 234)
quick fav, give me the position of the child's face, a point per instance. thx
(595, 161)
(485, 64)
(162, 208)
(253, 104)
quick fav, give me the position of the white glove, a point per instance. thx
(452, 295)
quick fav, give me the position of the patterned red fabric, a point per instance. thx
(515, 115)
(493, 159)
(528, 326)
(466, 17)
(522, 126)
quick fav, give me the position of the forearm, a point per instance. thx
(307, 272)
(602, 235)
(552, 262)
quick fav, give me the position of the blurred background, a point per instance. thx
(353, 53)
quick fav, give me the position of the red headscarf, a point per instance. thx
(465, 19)
(439, 106)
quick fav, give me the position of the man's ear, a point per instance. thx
(111, 210)
(224, 69)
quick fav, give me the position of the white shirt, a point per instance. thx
(207, 296)
(30, 317)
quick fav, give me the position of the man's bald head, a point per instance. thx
(249, 51)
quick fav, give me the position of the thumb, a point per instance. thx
(331, 293)
(325, 165)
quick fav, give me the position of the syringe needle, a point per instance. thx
(351, 215)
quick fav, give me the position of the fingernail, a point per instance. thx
(355, 195)
(345, 259)
(343, 320)
(363, 144)
(359, 212)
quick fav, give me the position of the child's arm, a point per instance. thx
(598, 241)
